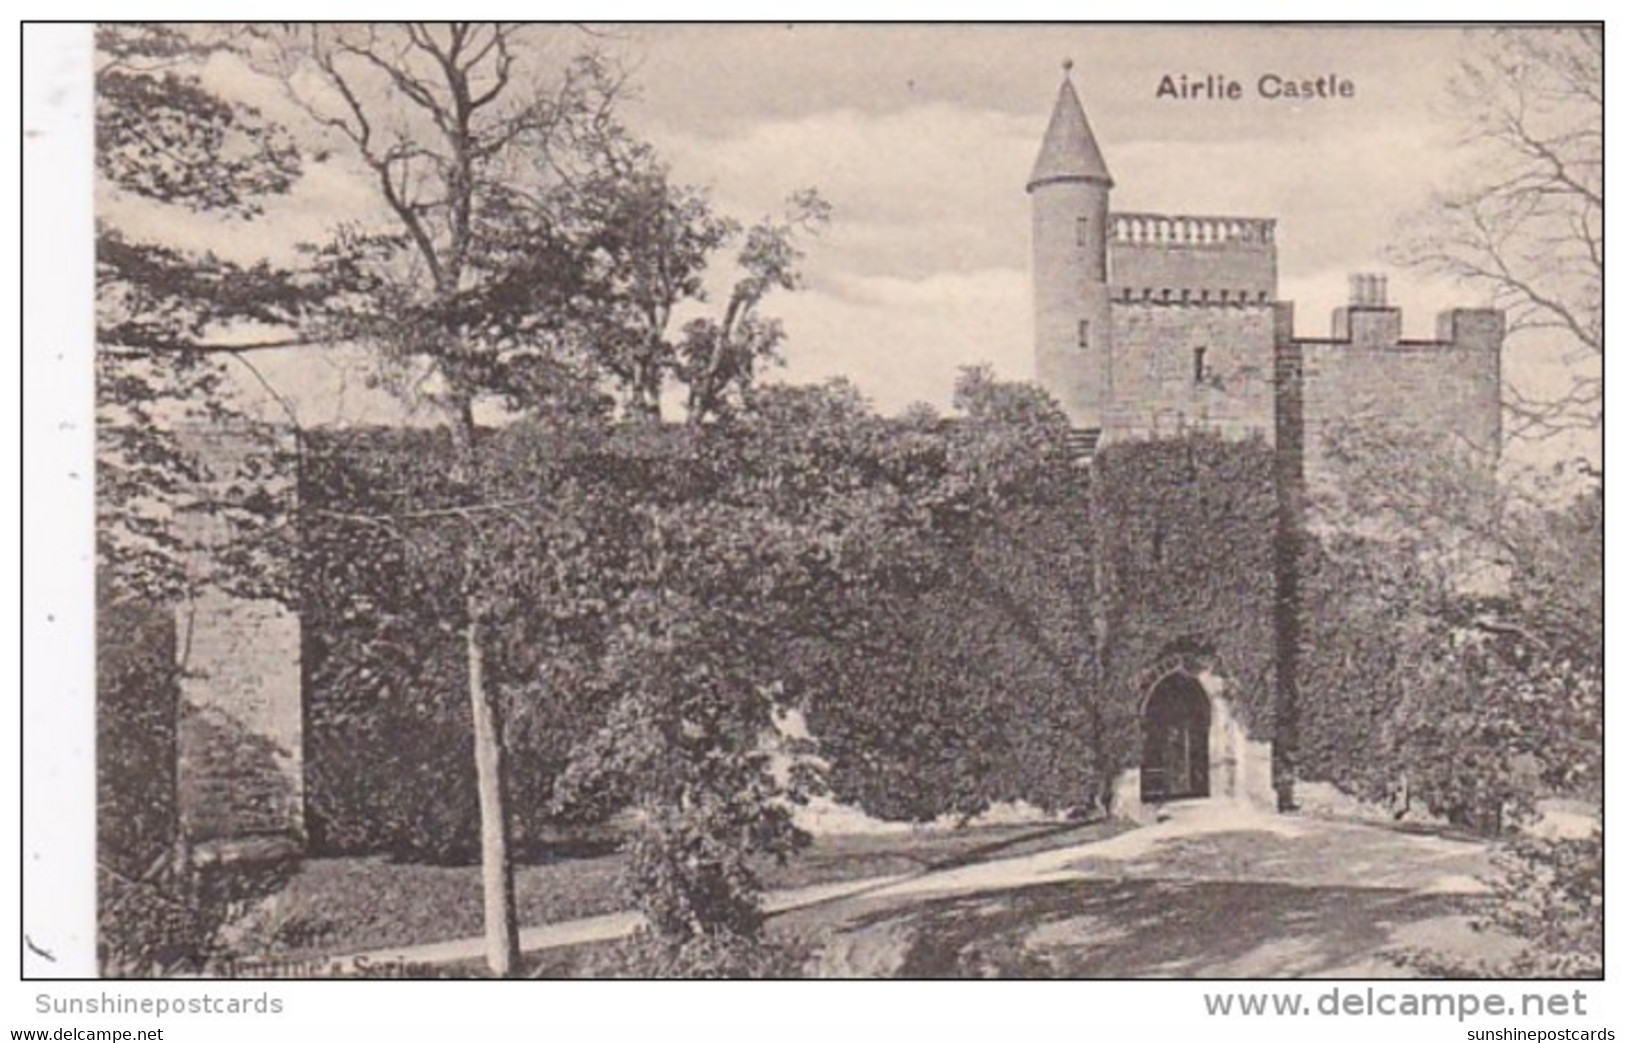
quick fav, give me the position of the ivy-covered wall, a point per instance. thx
(389, 749)
(1016, 671)
(1355, 655)
(1023, 677)
(980, 690)
(1187, 537)
(939, 697)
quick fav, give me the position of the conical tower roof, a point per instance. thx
(1069, 152)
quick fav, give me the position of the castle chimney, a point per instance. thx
(1367, 319)
(1368, 291)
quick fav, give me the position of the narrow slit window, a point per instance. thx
(1083, 333)
(1083, 231)
(1199, 365)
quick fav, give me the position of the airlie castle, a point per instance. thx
(1151, 324)
(1148, 327)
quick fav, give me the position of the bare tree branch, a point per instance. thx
(1527, 227)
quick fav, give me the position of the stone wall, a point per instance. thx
(1239, 766)
(1444, 389)
(240, 730)
(241, 763)
(1071, 309)
(1158, 387)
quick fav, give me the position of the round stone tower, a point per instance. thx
(1070, 189)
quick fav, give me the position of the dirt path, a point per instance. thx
(1215, 889)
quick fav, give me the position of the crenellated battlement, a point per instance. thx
(1185, 297)
(1189, 230)
(1191, 260)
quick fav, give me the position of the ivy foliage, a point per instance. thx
(978, 690)
(968, 685)
(1186, 531)
(922, 589)
(807, 554)
(1452, 629)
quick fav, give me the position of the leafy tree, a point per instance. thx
(383, 532)
(1525, 223)
(166, 140)
(718, 357)
(1470, 609)
(467, 288)
(656, 242)
(530, 261)
(1485, 598)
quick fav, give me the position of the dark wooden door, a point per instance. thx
(1175, 762)
(1176, 758)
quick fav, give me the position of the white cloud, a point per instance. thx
(904, 340)
(917, 191)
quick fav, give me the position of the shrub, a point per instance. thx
(174, 922)
(148, 930)
(137, 699)
(1547, 893)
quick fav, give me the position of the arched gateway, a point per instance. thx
(1175, 726)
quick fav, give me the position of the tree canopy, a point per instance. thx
(166, 139)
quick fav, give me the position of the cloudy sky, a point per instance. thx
(922, 137)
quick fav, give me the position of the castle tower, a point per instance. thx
(1070, 189)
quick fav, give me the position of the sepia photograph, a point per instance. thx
(836, 500)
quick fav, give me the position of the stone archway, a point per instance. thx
(1192, 744)
(1176, 723)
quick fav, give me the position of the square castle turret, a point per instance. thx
(1149, 324)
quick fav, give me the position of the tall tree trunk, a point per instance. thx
(496, 861)
(496, 864)
(1100, 580)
